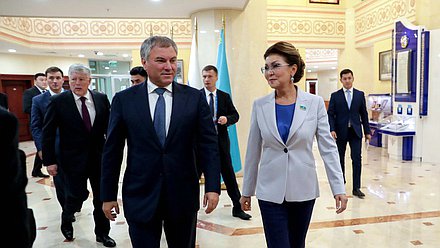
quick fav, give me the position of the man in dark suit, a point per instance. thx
(39, 87)
(223, 114)
(4, 100)
(347, 115)
(138, 75)
(21, 223)
(162, 121)
(54, 76)
(81, 118)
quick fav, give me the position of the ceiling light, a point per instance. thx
(12, 50)
(315, 66)
(309, 70)
(333, 68)
(217, 31)
(99, 53)
(125, 55)
(114, 71)
(81, 55)
(203, 31)
(106, 67)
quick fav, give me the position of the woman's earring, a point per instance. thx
(292, 78)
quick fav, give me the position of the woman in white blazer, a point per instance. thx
(279, 167)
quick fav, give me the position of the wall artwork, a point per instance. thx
(325, 1)
(385, 60)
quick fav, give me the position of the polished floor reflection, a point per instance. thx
(401, 209)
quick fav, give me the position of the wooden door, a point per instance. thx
(14, 90)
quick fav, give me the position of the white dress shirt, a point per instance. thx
(89, 104)
(152, 100)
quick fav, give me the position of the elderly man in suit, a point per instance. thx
(162, 121)
(81, 118)
(347, 115)
(39, 87)
(223, 114)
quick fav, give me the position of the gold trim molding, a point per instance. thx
(306, 26)
(374, 20)
(71, 32)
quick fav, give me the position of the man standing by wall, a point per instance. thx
(39, 87)
(4, 100)
(347, 114)
(223, 114)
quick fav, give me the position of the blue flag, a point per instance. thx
(224, 84)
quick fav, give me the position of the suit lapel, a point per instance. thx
(141, 98)
(73, 109)
(269, 114)
(302, 106)
(179, 103)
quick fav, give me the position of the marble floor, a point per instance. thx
(401, 209)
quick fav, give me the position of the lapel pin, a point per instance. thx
(302, 107)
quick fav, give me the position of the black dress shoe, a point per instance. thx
(358, 193)
(67, 230)
(39, 174)
(241, 214)
(105, 240)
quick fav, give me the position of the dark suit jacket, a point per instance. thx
(27, 98)
(78, 148)
(339, 114)
(39, 107)
(153, 172)
(225, 107)
(4, 100)
(21, 224)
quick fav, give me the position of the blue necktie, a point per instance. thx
(348, 98)
(159, 116)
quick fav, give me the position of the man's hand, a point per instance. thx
(110, 209)
(211, 200)
(222, 120)
(341, 203)
(245, 202)
(334, 135)
(52, 169)
(367, 137)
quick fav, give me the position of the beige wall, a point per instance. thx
(245, 45)
(29, 64)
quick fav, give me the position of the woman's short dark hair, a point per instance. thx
(291, 55)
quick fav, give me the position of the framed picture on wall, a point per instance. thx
(325, 1)
(179, 73)
(385, 60)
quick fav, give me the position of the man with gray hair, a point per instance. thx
(163, 123)
(81, 118)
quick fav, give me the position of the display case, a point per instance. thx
(397, 125)
(379, 106)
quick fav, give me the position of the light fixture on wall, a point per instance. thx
(12, 50)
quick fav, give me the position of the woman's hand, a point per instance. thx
(341, 203)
